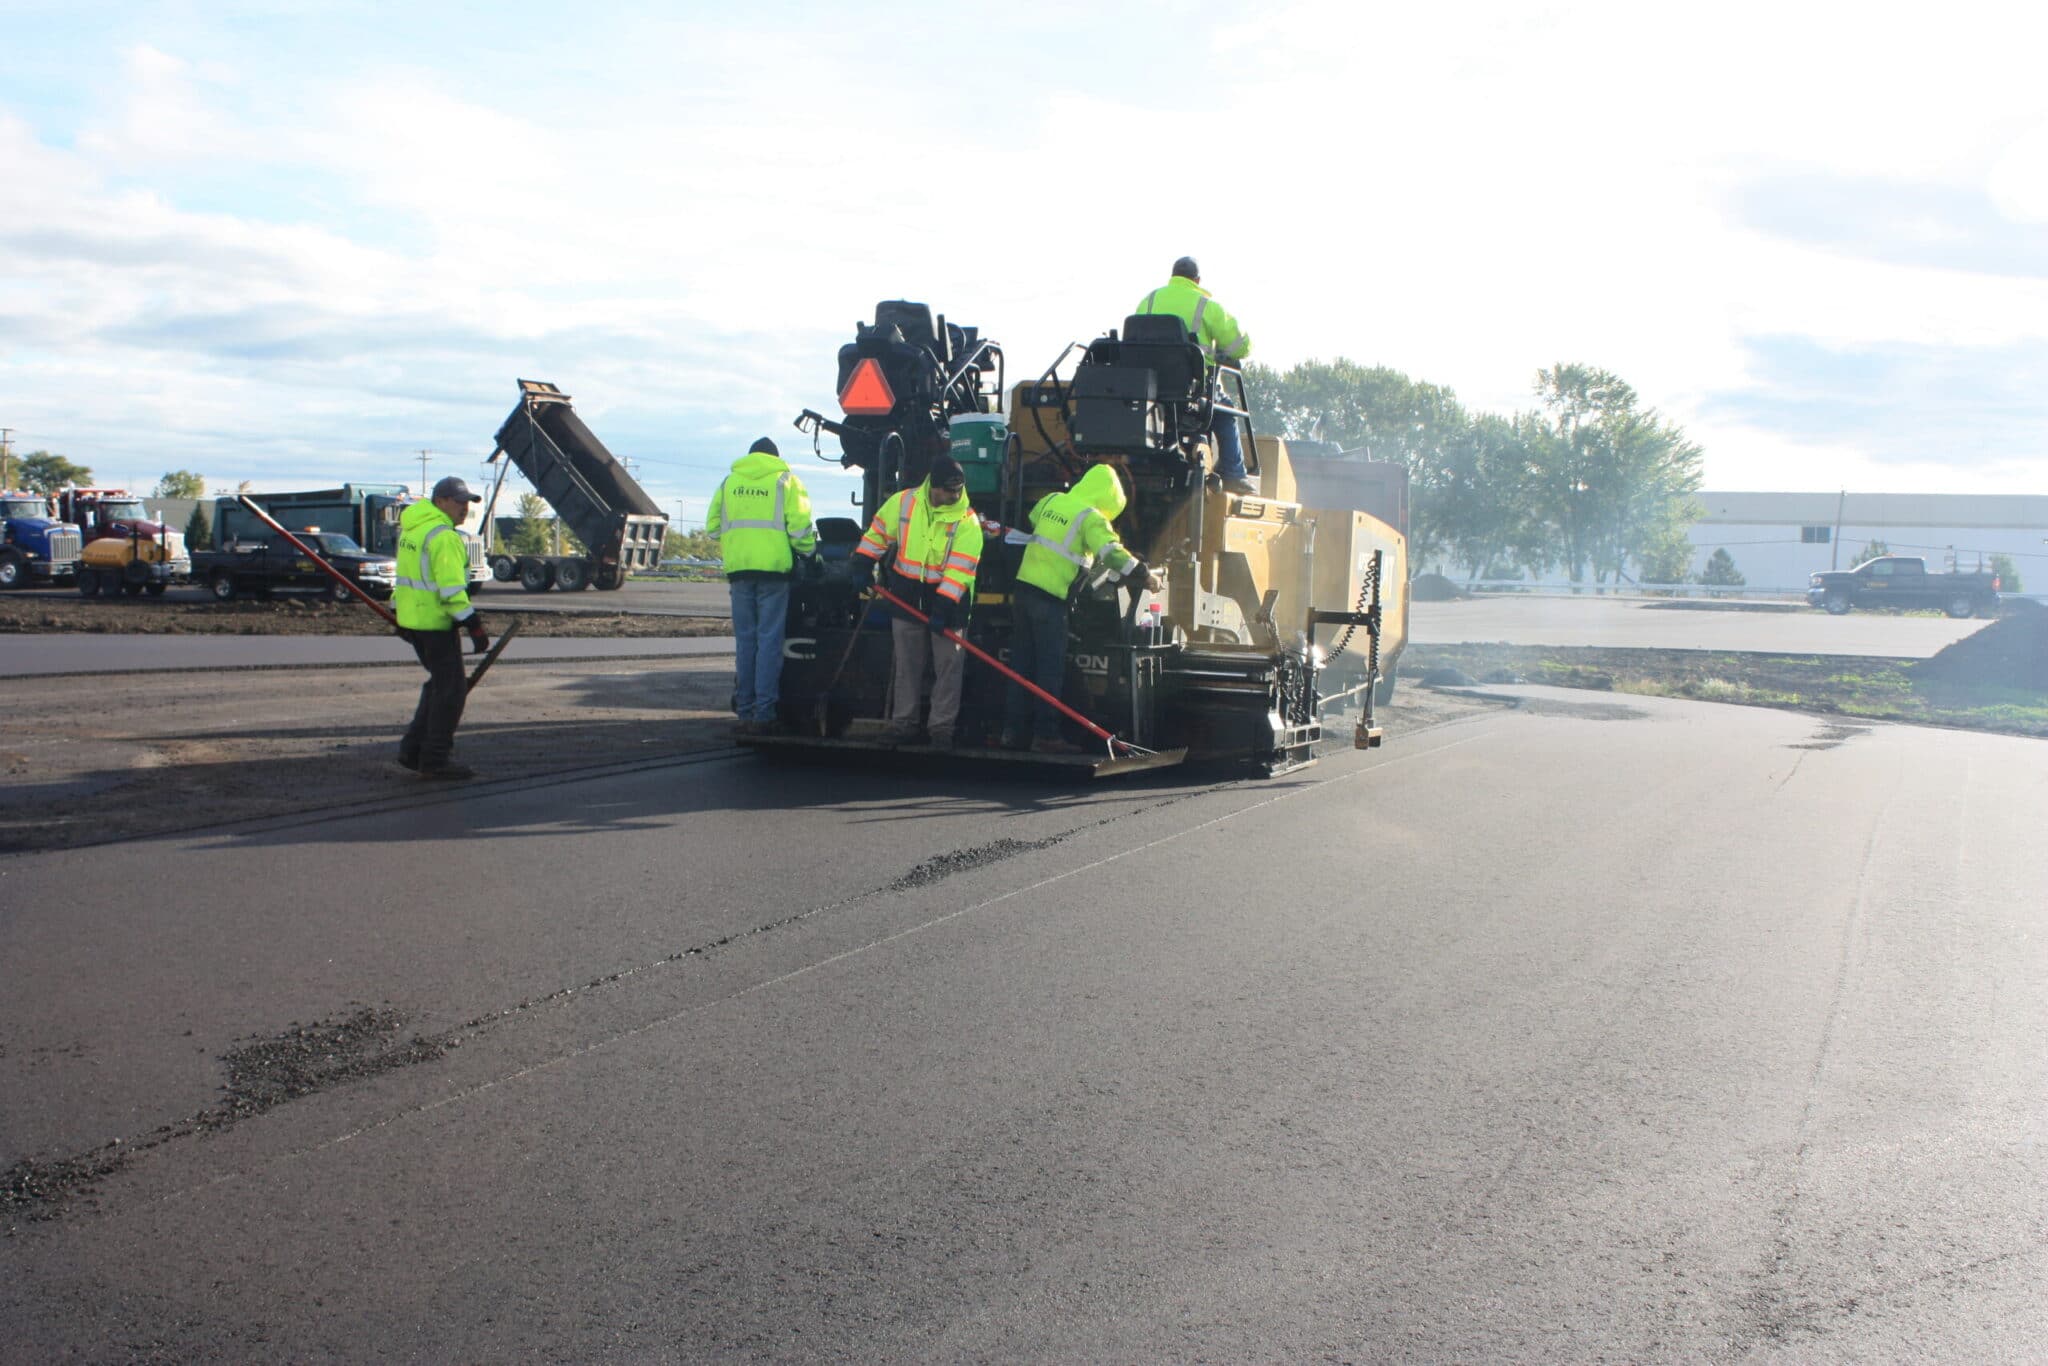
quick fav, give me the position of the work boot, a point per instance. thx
(1056, 746)
(449, 772)
(409, 762)
(1240, 485)
(942, 739)
(749, 728)
(900, 733)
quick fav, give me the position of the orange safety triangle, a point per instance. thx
(867, 392)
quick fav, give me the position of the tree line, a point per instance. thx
(1588, 481)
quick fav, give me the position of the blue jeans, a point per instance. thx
(1038, 650)
(760, 617)
(1229, 445)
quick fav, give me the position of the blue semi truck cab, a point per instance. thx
(34, 546)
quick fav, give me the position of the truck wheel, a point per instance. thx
(504, 568)
(572, 576)
(1837, 603)
(157, 590)
(337, 591)
(11, 572)
(536, 576)
(1960, 606)
(133, 590)
(610, 577)
(88, 583)
(222, 585)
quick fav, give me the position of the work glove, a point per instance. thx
(479, 638)
(1155, 582)
(942, 618)
(814, 566)
(862, 573)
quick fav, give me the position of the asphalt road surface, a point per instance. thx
(1596, 1029)
(1648, 623)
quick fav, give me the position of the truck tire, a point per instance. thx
(88, 583)
(572, 576)
(12, 571)
(1837, 603)
(222, 586)
(337, 591)
(157, 590)
(134, 589)
(610, 577)
(1961, 607)
(504, 568)
(536, 576)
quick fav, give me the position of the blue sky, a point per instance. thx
(296, 243)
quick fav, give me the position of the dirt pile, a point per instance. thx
(1435, 588)
(44, 613)
(2010, 653)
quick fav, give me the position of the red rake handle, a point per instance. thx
(1006, 671)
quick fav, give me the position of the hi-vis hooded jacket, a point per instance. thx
(761, 516)
(1209, 321)
(936, 547)
(432, 591)
(1070, 530)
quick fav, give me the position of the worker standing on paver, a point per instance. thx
(761, 515)
(431, 600)
(936, 540)
(1211, 325)
(1070, 534)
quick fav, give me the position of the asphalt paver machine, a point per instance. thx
(1221, 666)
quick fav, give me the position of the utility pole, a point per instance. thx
(1835, 542)
(5, 434)
(425, 456)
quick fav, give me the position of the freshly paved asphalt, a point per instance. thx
(1596, 1030)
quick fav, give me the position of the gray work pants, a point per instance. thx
(914, 647)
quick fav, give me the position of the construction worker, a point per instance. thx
(1211, 325)
(761, 515)
(1070, 534)
(936, 540)
(431, 600)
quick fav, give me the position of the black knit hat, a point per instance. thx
(947, 474)
(763, 447)
(1186, 268)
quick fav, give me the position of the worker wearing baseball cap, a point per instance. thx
(932, 541)
(431, 599)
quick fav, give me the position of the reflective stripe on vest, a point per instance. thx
(773, 523)
(1196, 325)
(1064, 547)
(425, 582)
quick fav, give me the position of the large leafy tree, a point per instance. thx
(179, 484)
(531, 536)
(44, 472)
(1608, 476)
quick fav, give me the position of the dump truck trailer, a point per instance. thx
(621, 527)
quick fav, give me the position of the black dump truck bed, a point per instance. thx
(582, 481)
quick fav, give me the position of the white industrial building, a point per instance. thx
(1777, 539)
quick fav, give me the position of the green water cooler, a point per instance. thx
(978, 440)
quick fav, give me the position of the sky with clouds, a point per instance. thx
(296, 242)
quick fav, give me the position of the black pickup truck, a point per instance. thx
(260, 568)
(1903, 581)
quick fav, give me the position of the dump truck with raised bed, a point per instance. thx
(622, 529)
(1225, 664)
(34, 546)
(365, 513)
